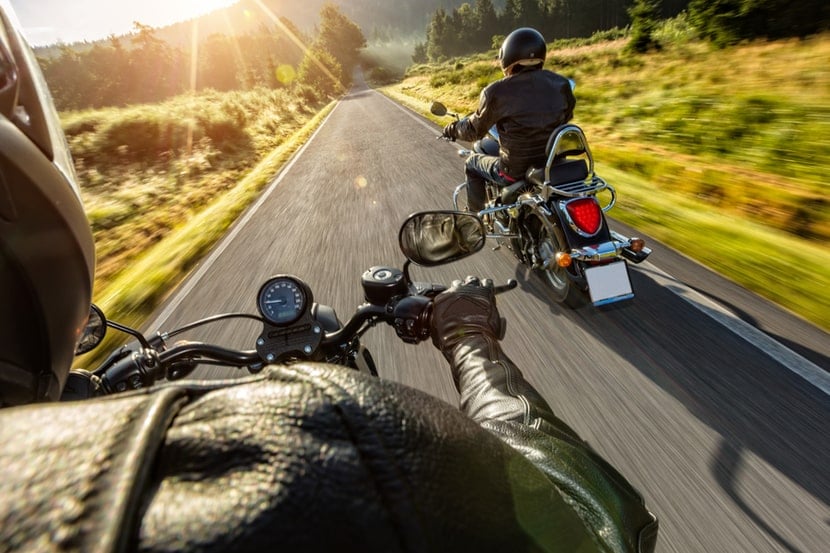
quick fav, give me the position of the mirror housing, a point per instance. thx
(437, 108)
(430, 238)
(94, 331)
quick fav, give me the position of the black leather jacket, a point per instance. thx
(314, 457)
(526, 107)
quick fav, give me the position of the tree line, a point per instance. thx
(477, 26)
(142, 68)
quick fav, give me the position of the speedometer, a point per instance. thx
(283, 300)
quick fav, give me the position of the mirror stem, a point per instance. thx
(405, 272)
(134, 333)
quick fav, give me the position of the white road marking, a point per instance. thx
(804, 368)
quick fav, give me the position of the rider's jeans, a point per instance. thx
(478, 168)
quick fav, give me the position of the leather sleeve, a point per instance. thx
(302, 458)
(495, 394)
(476, 125)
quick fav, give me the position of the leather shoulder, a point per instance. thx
(74, 473)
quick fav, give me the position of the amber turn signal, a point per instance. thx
(563, 259)
(637, 244)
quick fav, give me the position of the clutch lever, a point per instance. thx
(511, 283)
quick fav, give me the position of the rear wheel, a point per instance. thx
(549, 241)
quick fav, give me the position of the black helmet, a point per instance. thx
(47, 258)
(523, 46)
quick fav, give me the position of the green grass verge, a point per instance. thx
(137, 290)
(791, 272)
(142, 285)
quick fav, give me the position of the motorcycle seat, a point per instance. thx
(561, 172)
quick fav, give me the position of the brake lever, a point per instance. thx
(500, 289)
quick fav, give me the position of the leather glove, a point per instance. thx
(467, 308)
(449, 131)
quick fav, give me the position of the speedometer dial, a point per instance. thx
(282, 300)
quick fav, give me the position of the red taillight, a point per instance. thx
(586, 214)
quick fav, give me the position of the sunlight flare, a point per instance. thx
(194, 63)
(273, 17)
(286, 74)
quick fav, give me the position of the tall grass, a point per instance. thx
(147, 169)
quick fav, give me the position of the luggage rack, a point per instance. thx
(580, 188)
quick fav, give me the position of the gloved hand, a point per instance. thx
(467, 308)
(449, 131)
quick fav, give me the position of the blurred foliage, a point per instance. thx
(145, 169)
(143, 68)
(473, 27)
(644, 20)
(730, 21)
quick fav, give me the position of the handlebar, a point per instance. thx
(142, 363)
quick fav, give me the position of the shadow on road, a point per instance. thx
(753, 406)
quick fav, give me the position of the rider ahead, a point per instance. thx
(308, 457)
(526, 106)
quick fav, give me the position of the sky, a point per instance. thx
(50, 21)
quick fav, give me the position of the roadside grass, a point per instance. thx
(136, 291)
(146, 169)
(720, 154)
(790, 271)
(153, 219)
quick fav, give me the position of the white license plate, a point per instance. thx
(609, 283)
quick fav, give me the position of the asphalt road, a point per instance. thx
(712, 401)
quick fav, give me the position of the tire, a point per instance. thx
(549, 241)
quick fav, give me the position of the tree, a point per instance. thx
(437, 36)
(522, 13)
(729, 21)
(486, 23)
(154, 71)
(217, 64)
(107, 65)
(66, 75)
(340, 37)
(420, 53)
(645, 15)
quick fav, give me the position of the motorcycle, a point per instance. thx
(294, 327)
(553, 222)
